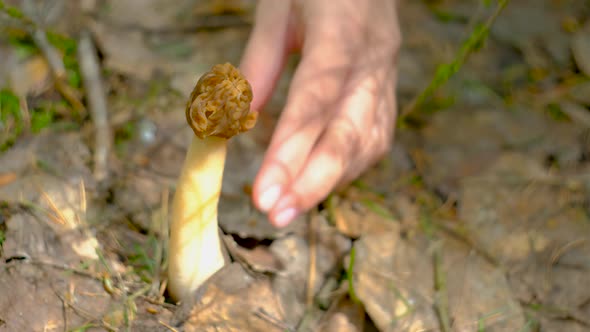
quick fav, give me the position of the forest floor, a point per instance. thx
(478, 219)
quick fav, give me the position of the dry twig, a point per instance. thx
(166, 325)
(313, 228)
(441, 303)
(66, 268)
(160, 234)
(267, 317)
(95, 95)
(83, 313)
(25, 113)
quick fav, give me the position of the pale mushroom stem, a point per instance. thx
(195, 249)
(219, 108)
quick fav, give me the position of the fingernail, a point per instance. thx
(284, 217)
(269, 197)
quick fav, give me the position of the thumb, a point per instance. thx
(267, 49)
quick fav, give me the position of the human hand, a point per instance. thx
(340, 111)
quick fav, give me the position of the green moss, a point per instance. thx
(22, 43)
(11, 122)
(555, 112)
(41, 119)
(142, 261)
(11, 11)
(68, 47)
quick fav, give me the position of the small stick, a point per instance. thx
(25, 114)
(441, 303)
(159, 302)
(66, 268)
(164, 236)
(83, 313)
(556, 255)
(576, 112)
(167, 326)
(83, 202)
(160, 245)
(51, 55)
(95, 94)
(267, 317)
(65, 312)
(312, 259)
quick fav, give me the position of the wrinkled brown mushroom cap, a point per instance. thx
(220, 103)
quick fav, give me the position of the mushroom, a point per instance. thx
(219, 108)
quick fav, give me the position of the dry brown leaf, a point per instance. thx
(358, 214)
(393, 279)
(344, 316)
(484, 136)
(6, 178)
(293, 251)
(479, 296)
(233, 300)
(526, 221)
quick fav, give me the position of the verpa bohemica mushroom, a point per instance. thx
(219, 108)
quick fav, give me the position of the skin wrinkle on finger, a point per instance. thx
(298, 125)
(348, 58)
(299, 136)
(379, 139)
(342, 143)
(343, 137)
(379, 144)
(327, 163)
(363, 90)
(317, 86)
(380, 64)
(316, 90)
